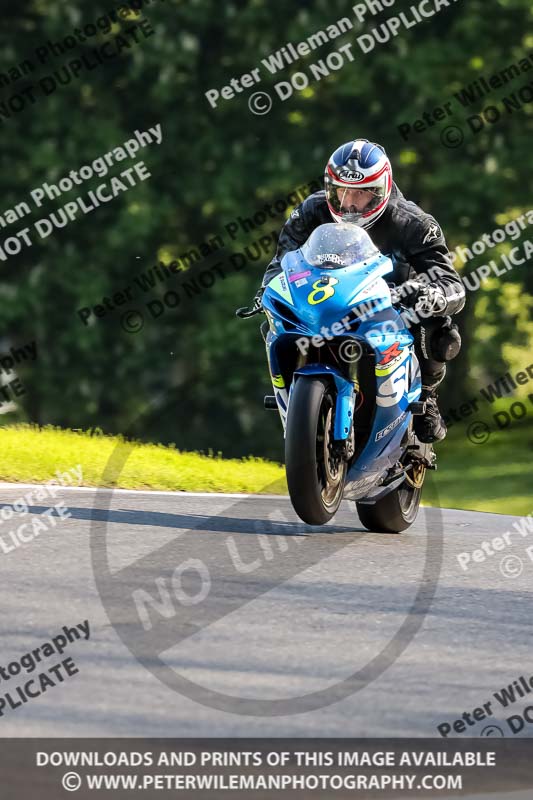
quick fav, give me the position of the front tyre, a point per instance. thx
(316, 470)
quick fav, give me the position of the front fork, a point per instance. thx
(344, 402)
(345, 399)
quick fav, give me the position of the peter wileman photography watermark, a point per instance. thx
(453, 136)
(11, 386)
(479, 431)
(264, 769)
(261, 102)
(32, 92)
(511, 565)
(194, 281)
(519, 689)
(16, 690)
(411, 316)
(83, 204)
(14, 535)
(511, 230)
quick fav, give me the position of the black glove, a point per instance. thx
(431, 301)
(428, 299)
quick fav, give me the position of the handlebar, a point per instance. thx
(246, 311)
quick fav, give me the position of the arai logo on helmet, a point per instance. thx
(350, 174)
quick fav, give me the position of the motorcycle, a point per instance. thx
(346, 382)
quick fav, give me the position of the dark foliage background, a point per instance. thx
(215, 165)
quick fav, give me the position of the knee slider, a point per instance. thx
(446, 343)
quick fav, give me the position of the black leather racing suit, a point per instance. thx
(415, 243)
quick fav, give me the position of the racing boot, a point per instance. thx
(430, 427)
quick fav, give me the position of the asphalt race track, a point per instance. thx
(280, 610)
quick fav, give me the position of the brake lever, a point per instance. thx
(246, 311)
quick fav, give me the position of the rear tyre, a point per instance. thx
(397, 510)
(316, 473)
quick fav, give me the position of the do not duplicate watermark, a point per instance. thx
(85, 203)
(261, 102)
(453, 135)
(26, 690)
(89, 59)
(194, 271)
(12, 387)
(510, 695)
(499, 545)
(25, 505)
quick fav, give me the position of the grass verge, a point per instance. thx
(34, 455)
(494, 477)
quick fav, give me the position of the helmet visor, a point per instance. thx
(352, 202)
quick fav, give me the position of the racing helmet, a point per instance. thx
(358, 182)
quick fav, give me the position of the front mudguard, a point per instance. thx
(345, 400)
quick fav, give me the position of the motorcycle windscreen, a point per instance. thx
(338, 244)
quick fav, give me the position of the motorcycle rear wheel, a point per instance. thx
(397, 510)
(316, 473)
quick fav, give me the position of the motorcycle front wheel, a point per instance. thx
(316, 471)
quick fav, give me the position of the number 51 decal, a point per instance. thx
(393, 389)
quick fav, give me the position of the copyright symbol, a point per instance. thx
(452, 137)
(71, 781)
(492, 730)
(511, 566)
(132, 321)
(350, 351)
(260, 103)
(478, 432)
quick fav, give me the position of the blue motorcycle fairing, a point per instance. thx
(398, 384)
(307, 301)
(286, 297)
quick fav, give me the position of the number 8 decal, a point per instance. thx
(326, 290)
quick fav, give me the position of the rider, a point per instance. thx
(358, 188)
